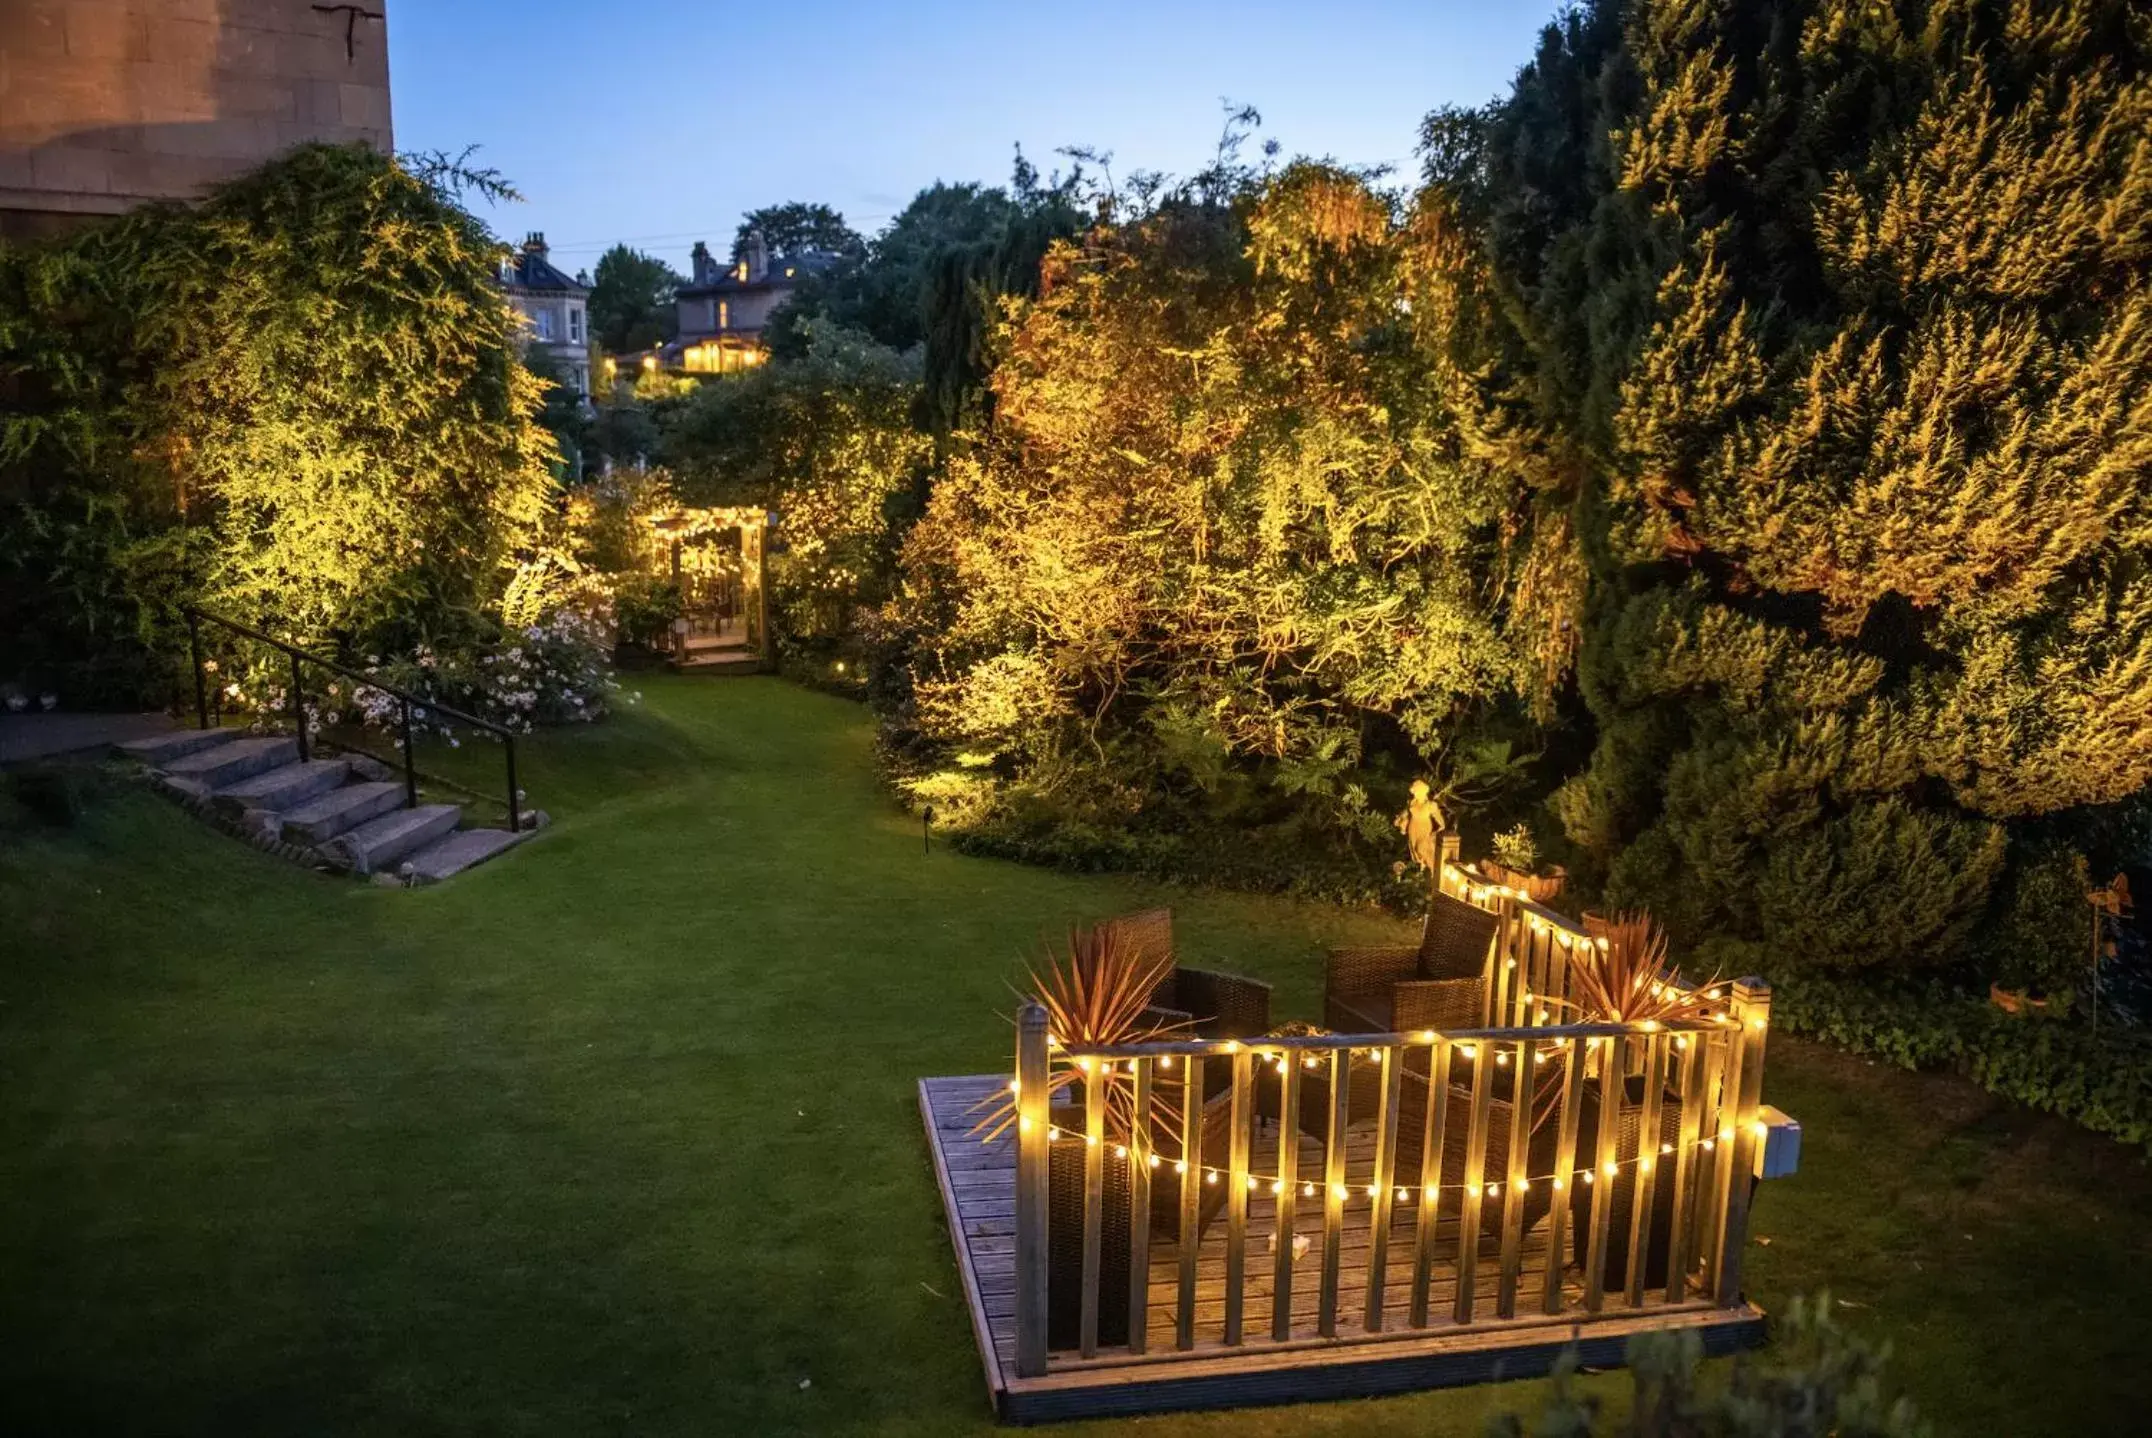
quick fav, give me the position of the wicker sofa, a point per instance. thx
(1440, 983)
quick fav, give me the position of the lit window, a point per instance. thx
(788, 272)
(724, 315)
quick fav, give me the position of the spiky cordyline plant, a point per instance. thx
(1096, 994)
(1625, 978)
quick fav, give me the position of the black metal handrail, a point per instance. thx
(195, 617)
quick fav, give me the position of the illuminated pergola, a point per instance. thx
(687, 527)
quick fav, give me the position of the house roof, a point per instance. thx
(784, 272)
(529, 269)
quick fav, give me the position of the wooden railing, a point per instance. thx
(1444, 1181)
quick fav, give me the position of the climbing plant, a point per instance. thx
(300, 399)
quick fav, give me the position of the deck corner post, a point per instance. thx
(1751, 1009)
(1032, 1158)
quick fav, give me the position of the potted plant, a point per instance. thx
(1626, 979)
(1515, 865)
(1097, 993)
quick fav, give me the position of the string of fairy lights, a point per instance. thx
(1476, 890)
(1275, 1183)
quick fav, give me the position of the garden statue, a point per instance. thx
(1421, 823)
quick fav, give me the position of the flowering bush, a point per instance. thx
(554, 671)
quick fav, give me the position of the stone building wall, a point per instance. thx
(105, 104)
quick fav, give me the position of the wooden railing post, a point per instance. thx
(1033, 1149)
(1752, 1011)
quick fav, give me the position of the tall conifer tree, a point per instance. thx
(1844, 309)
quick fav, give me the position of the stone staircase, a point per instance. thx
(341, 811)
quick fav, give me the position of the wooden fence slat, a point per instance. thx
(1281, 1282)
(1644, 1175)
(1095, 1084)
(1236, 1198)
(1431, 1137)
(1721, 1111)
(1514, 1186)
(1613, 1064)
(1326, 1314)
(1468, 1223)
(1681, 1249)
(1752, 1010)
(1142, 1153)
(1191, 1175)
(1565, 1173)
(1384, 1180)
(1033, 1150)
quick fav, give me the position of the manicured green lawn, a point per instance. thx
(618, 1134)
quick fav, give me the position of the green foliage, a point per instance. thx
(1816, 1381)
(301, 399)
(631, 300)
(1221, 555)
(2101, 1080)
(794, 226)
(1833, 327)
(827, 442)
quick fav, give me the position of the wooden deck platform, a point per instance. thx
(978, 1186)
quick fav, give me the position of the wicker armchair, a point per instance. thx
(1439, 984)
(1215, 1005)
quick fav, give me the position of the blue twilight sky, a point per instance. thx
(658, 122)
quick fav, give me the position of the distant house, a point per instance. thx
(723, 309)
(554, 307)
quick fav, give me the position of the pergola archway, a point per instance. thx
(720, 563)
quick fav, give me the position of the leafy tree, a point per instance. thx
(302, 398)
(1835, 319)
(795, 226)
(827, 442)
(1219, 547)
(631, 300)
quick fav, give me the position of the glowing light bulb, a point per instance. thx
(1153, 1160)
(1371, 1190)
(1587, 1176)
(1277, 1186)
(1307, 1190)
(1053, 1133)
(1120, 1151)
(1211, 1176)
(1180, 1165)
(1610, 1169)
(1338, 1192)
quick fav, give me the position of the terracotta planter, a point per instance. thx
(1539, 888)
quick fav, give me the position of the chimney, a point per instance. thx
(534, 244)
(758, 256)
(699, 264)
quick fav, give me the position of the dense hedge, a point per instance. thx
(2102, 1081)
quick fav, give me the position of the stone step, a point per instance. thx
(226, 764)
(459, 851)
(377, 844)
(322, 818)
(285, 788)
(159, 750)
(720, 665)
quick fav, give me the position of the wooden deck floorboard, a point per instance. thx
(978, 1184)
